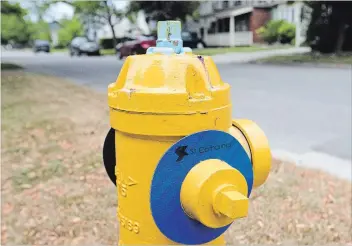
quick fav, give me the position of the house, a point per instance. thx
(234, 23)
(124, 27)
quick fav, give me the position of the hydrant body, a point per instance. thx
(184, 169)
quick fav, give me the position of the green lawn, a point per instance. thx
(108, 52)
(215, 51)
(103, 51)
(309, 58)
(206, 51)
(59, 50)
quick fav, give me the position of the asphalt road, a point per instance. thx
(304, 111)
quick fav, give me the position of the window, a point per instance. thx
(79, 40)
(225, 4)
(202, 32)
(223, 25)
(212, 28)
(186, 36)
(219, 21)
(237, 3)
(242, 23)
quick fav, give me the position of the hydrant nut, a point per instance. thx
(232, 204)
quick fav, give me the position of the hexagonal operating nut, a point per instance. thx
(231, 203)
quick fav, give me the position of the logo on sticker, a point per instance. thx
(181, 152)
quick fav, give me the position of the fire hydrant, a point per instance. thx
(184, 170)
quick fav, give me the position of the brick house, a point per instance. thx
(234, 23)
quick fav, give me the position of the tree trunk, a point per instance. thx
(110, 23)
(113, 32)
(340, 38)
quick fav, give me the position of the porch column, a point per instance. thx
(232, 30)
(297, 21)
(206, 27)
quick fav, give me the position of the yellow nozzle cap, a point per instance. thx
(258, 145)
(214, 193)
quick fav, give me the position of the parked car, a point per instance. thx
(120, 44)
(41, 45)
(81, 45)
(135, 46)
(192, 41)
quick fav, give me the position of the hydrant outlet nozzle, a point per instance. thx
(214, 193)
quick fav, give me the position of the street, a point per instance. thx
(304, 111)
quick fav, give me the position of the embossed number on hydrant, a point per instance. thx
(124, 182)
(131, 225)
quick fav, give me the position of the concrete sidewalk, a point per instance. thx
(242, 57)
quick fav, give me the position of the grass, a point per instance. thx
(309, 58)
(55, 190)
(9, 66)
(205, 51)
(216, 51)
(59, 50)
(103, 51)
(108, 52)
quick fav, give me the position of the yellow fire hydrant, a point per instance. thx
(184, 170)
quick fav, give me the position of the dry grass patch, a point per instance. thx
(55, 190)
(297, 206)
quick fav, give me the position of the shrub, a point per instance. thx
(277, 31)
(270, 32)
(287, 32)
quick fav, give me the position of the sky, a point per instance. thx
(60, 10)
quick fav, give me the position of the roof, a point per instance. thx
(245, 6)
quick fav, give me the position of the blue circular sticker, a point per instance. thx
(172, 170)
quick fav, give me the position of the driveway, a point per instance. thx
(305, 111)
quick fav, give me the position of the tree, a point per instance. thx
(12, 8)
(14, 27)
(40, 30)
(100, 12)
(330, 28)
(165, 10)
(70, 28)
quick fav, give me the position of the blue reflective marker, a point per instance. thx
(171, 171)
(169, 39)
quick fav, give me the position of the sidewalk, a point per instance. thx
(252, 56)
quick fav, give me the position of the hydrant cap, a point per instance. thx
(169, 79)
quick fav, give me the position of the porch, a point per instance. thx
(228, 29)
